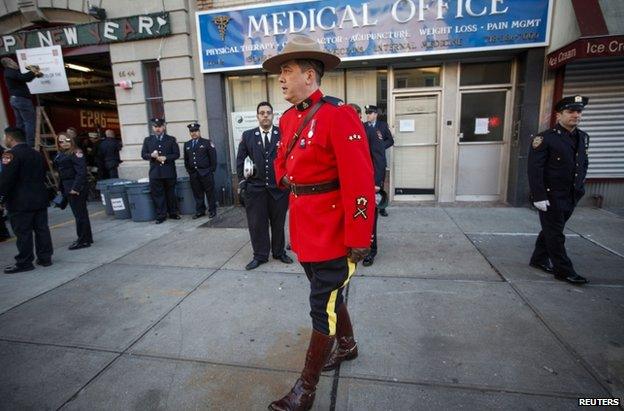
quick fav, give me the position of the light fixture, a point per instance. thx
(78, 67)
(97, 12)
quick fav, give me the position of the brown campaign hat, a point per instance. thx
(301, 47)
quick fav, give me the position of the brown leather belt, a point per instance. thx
(307, 189)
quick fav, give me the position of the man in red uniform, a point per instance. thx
(324, 159)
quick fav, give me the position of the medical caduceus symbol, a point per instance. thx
(221, 22)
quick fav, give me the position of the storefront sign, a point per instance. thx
(133, 28)
(243, 37)
(587, 48)
(50, 62)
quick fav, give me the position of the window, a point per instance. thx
(417, 77)
(482, 116)
(475, 74)
(153, 90)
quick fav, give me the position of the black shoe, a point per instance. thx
(77, 246)
(254, 264)
(383, 212)
(43, 263)
(198, 215)
(175, 216)
(160, 220)
(285, 258)
(212, 215)
(368, 260)
(547, 267)
(571, 278)
(13, 269)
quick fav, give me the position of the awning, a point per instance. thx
(586, 47)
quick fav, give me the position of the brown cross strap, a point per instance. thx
(305, 121)
(319, 188)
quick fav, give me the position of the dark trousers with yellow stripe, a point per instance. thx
(327, 279)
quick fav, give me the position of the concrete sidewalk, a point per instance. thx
(450, 316)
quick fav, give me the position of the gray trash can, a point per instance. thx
(102, 186)
(184, 193)
(119, 200)
(141, 204)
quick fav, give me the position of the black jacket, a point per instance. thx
(383, 130)
(202, 157)
(251, 145)
(557, 166)
(22, 180)
(108, 152)
(16, 82)
(72, 169)
(378, 154)
(167, 147)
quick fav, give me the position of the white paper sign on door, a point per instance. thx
(481, 125)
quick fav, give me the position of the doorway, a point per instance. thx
(416, 124)
(482, 145)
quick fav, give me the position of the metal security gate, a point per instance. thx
(602, 80)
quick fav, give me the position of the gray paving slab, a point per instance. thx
(201, 247)
(355, 395)
(601, 226)
(17, 288)
(417, 220)
(244, 318)
(113, 244)
(244, 256)
(107, 308)
(495, 220)
(37, 377)
(591, 320)
(511, 254)
(162, 384)
(466, 333)
(429, 255)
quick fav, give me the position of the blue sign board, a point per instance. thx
(243, 37)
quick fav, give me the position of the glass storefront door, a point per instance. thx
(416, 125)
(481, 145)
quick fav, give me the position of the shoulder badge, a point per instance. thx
(334, 101)
(537, 141)
(79, 153)
(7, 158)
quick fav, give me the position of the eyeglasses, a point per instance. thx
(62, 140)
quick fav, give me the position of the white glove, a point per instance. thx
(541, 205)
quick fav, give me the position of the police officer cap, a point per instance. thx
(157, 121)
(571, 103)
(370, 109)
(194, 126)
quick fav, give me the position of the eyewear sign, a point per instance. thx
(108, 31)
(242, 38)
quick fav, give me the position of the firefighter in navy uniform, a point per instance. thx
(324, 159)
(378, 156)
(23, 191)
(382, 129)
(162, 150)
(108, 155)
(557, 166)
(71, 165)
(200, 161)
(265, 203)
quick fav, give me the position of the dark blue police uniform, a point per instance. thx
(72, 170)
(162, 176)
(557, 166)
(108, 156)
(378, 156)
(23, 191)
(264, 203)
(383, 132)
(200, 161)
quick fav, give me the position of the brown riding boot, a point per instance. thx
(346, 346)
(301, 396)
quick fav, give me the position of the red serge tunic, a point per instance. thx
(332, 146)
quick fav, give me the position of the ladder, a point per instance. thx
(45, 142)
